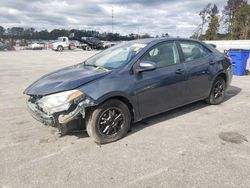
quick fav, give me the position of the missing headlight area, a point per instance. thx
(72, 113)
(65, 118)
(37, 112)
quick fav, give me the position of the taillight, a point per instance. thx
(229, 59)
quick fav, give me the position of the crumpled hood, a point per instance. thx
(64, 79)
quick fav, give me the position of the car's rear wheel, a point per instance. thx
(108, 122)
(218, 92)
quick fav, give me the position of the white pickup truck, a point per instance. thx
(61, 44)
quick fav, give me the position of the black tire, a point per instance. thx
(108, 122)
(218, 91)
(59, 48)
(88, 48)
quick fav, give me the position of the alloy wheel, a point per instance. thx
(218, 90)
(110, 121)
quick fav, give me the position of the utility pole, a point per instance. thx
(138, 32)
(112, 19)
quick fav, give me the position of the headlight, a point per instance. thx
(59, 101)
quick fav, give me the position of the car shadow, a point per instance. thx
(232, 92)
(178, 112)
(78, 133)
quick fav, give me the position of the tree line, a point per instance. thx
(233, 22)
(32, 34)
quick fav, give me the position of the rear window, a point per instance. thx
(193, 50)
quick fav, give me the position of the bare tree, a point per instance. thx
(214, 23)
(207, 14)
(204, 14)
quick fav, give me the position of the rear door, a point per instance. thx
(197, 60)
(163, 88)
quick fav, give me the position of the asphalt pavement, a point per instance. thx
(194, 146)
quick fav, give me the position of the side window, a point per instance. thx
(193, 50)
(163, 55)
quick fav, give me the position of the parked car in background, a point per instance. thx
(107, 44)
(93, 42)
(88, 43)
(127, 83)
(4, 47)
(37, 46)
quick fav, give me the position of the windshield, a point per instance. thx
(116, 56)
(61, 39)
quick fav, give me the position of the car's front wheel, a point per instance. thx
(59, 48)
(108, 122)
(218, 92)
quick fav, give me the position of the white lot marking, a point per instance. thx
(46, 156)
(141, 178)
(42, 158)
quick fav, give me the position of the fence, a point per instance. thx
(222, 45)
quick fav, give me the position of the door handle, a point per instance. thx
(179, 71)
(212, 62)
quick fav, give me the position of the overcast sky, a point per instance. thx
(176, 17)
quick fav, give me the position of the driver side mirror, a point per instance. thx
(146, 66)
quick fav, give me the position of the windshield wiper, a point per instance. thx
(96, 66)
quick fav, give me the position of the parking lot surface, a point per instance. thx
(194, 146)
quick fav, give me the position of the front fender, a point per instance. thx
(125, 98)
(114, 85)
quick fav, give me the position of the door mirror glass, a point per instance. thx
(146, 66)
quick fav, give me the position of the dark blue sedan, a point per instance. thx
(127, 83)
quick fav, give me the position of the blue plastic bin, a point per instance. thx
(239, 60)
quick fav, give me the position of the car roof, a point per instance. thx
(150, 40)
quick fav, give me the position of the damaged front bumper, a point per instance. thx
(39, 115)
(65, 118)
(59, 119)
